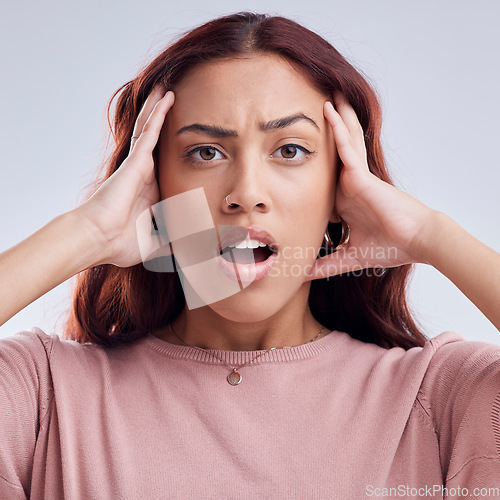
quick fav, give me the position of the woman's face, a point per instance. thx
(253, 128)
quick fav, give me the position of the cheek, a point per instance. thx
(172, 174)
(313, 196)
(308, 210)
(163, 169)
(327, 185)
(174, 178)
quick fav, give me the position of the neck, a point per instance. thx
(205, 328)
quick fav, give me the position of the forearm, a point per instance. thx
(42, 261)
(471, 265)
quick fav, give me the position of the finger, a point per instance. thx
(351, 121)
(153, 98)
(349, 116)
(152, 128)
(350, 155)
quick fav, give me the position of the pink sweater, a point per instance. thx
(333, 419)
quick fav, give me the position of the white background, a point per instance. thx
(434, 64)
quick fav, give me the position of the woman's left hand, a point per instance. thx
(388, 228)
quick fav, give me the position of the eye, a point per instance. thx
(291, 152)
(205, 153)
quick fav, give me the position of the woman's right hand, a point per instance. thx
(100, 231)
(111, 212)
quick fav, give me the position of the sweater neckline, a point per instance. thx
(278, 355)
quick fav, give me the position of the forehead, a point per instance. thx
(259, 88)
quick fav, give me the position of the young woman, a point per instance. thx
(275, 355)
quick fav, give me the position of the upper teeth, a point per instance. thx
(248, 243)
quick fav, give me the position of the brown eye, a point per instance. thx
(208, 153)
(288, 151)
(292, 154)
(204, 154)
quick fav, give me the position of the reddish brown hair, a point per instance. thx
(113, 305)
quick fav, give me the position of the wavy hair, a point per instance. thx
(114, 305)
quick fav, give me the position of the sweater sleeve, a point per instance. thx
(461, 393)
(25, 395)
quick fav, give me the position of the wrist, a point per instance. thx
(435, 236)
(88, 243)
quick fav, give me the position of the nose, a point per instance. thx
(247, 190)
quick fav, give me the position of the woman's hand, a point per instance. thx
(102, 230)
(387, 226)
(112, 211)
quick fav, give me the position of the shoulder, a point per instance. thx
(459, 368)
(36, 367)
(459, 371)
(452, 344)
(454, 384)
(26, 392)
(447, 366)
(415, 364)
(461, 395)
(39, 347)
(35, 351)
(26, 363)
(28, 349)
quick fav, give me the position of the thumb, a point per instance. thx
(334, 264)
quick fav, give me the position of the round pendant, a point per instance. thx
(234, 378)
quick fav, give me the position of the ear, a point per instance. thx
(334, 217)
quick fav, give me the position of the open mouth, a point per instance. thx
(247, 252)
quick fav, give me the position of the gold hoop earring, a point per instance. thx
(344, 238)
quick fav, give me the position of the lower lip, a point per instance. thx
(246, 273)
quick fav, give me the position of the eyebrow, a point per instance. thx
(216, 131)
(287, 121)
(212, 130)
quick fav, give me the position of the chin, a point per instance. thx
(253, 304)
(247, 308)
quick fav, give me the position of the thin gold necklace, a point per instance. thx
(234, 377)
